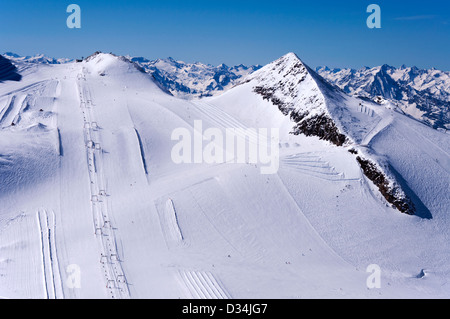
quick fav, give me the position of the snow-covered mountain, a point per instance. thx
(39, 58)
(423, 94)
(316, 108)
(193, 80)
(94, 206)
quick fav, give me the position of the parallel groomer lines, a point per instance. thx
(311, 165)
(203, 285)
(50, 264)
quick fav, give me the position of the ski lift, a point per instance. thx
(110, 284)
(121, 279)
(103, 259)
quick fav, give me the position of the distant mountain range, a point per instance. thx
(421, 94)
(39, 58)
(189, 80)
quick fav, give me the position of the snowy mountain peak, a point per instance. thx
(288, 64)
(296, 90)
(291, 56)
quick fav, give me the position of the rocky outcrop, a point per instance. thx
(393, 194)
(321, 126)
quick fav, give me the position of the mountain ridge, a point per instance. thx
(423, 94)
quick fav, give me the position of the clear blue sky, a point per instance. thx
(321, 32)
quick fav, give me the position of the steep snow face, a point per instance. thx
(8, 71)
(422, 94)
(187, 80)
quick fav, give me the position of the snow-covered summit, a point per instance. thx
(301, 94)
(108, 63)
(288, 83)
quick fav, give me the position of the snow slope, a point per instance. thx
(87, 182)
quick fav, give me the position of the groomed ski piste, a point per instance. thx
(87, 182)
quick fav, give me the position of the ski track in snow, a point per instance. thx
(312, 165)
(40, 97)
(13, 110)
(7, 109)
(109, 258)
(224, 120)
(50, 264)
(203, 285)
